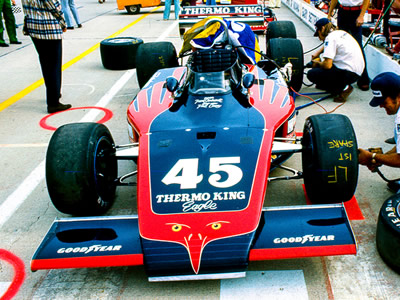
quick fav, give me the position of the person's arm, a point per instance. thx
(57, 13)
(332, 6)
(389, 158)
(360, 19)
(327, 63)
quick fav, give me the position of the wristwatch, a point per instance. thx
(373, 160)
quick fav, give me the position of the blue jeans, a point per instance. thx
(211, 2)
(68, 6)
(167, 9)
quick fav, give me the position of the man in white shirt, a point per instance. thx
(338, 64)
(386, 90)
(350, 17)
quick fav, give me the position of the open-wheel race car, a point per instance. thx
(205, 136)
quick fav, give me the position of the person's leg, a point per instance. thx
(50, 58)
(167, 9)
(72, 6)
(66, 12)
(176, 8)
(9, 21)
(2, 41)
(347, 21)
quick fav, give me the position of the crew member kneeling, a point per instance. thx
(342, 62)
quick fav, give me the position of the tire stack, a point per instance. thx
(119, 53)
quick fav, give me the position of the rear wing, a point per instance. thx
(256, 16)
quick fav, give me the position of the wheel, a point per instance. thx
(81, 169)
(388, 232)
(281, 29)
(330, 158)
(133, 9)
(119, 53)
(151, 57)
(284, 50)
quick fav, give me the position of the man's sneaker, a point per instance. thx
(3, 45)
(342, 97)
(394, 186)
(58, 107)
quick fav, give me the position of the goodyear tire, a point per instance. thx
(81, 169)
(119, 53)
(388, 232)
(284, 50)
(281, 29)
(133, 9)
(152, 57)
(330, 158)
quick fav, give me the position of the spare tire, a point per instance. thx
(152, 57)
(329, 158)
(284, 50)
(119, 53)
(281, 29)
(388, 232)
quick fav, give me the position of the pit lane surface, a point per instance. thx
(26, 212)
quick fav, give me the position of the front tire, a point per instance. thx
(133, 9)
(81, 169)
(330, 158)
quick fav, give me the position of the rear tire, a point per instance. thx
(119, 53)
(330, 158)
(284, 50)
(152, 57)
(388, 234)
(133, 9)
(81, 169)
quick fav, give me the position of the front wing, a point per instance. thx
(283, 232)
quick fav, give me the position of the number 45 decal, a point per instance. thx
(185, 172)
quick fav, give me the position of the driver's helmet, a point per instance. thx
(213, 71)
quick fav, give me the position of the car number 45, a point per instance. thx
(185, 172)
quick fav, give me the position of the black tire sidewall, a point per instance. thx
(388, 234)
(119, 53)
(70, 169)
(151, 57)
(330, 158)
(281, 29)
(283, 50)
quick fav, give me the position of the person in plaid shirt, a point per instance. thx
(45, 24)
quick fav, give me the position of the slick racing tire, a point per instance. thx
(281, 29)
(388, 232)
(330, 158)
(119, 53)
(81, 169)
(152, 57)
(285, 50)
(133, 9)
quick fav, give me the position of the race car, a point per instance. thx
(204, 136)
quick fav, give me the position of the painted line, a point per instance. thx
(277, 285)
(15, 200)
(33, 145)
(19, 274)
(10, 101)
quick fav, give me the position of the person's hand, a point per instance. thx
(64, 29)
(359, 21)
(364, 157)
(13, 2)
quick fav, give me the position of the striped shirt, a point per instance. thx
(43, 19)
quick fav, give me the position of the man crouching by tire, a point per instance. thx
(341, 62)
